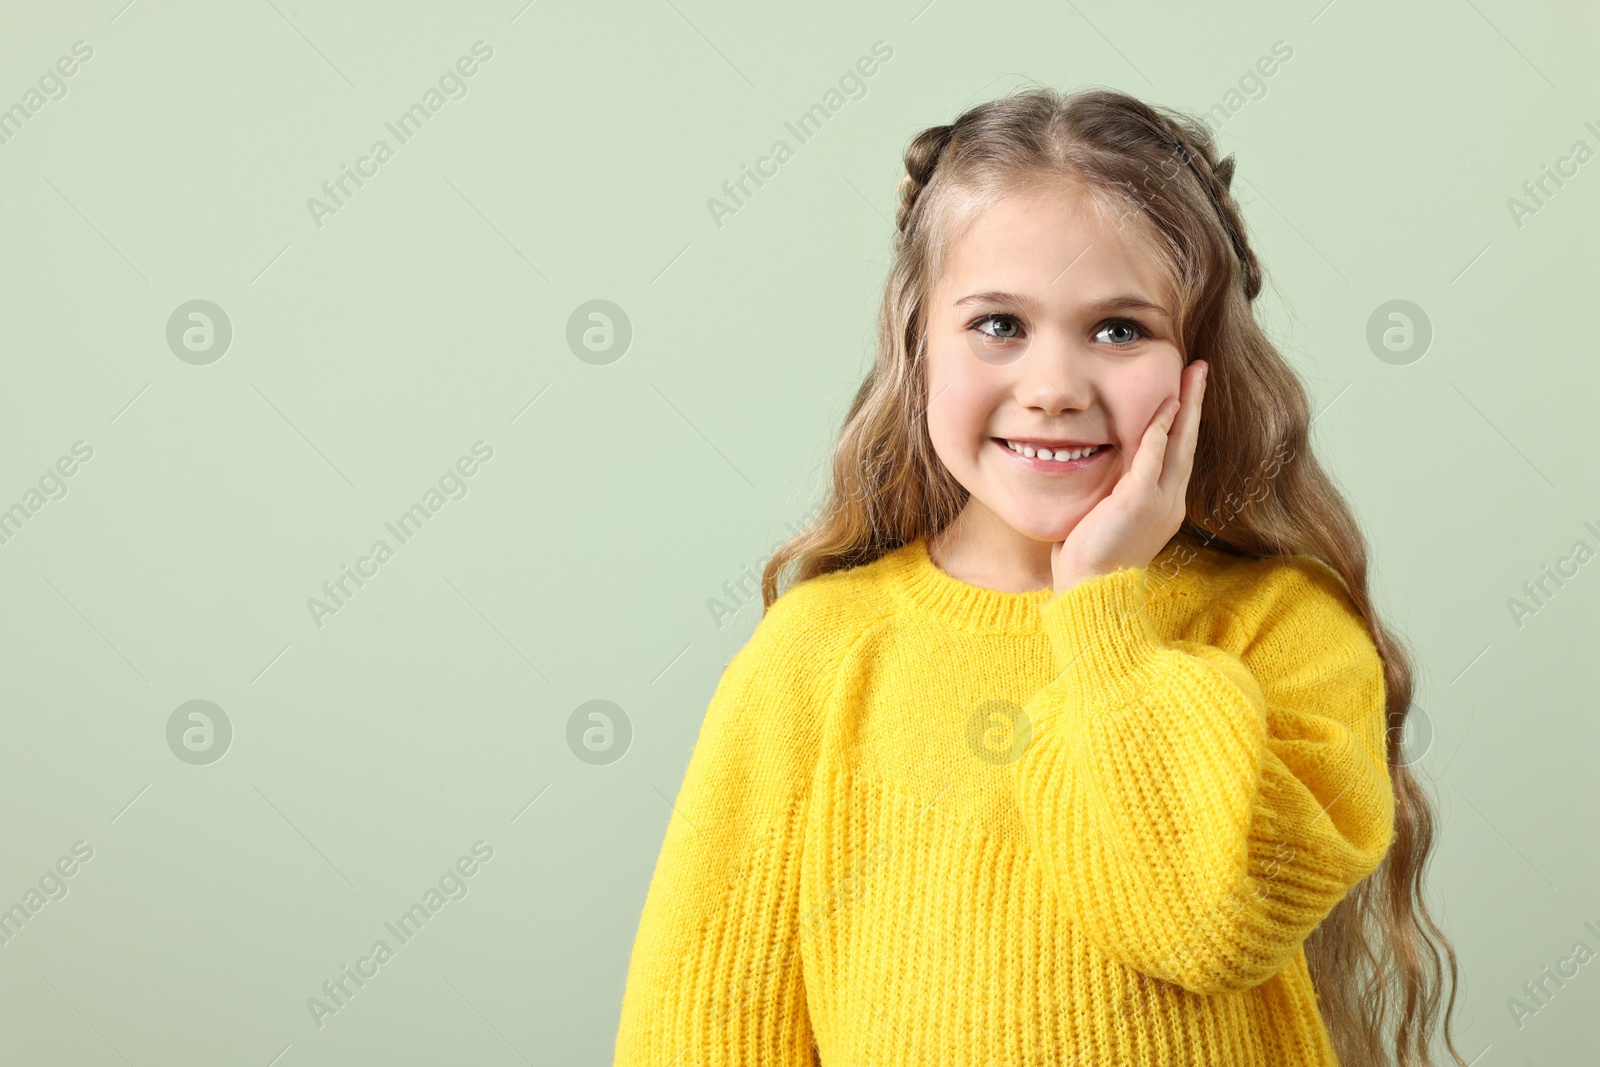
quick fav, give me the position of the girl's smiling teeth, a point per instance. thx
(1061, 454)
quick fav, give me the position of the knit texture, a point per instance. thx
(927, 822)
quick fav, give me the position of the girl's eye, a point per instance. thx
(1125, 324)
(1011, 327)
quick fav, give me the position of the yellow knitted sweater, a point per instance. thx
(929, 823)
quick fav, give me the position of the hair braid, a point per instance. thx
(922, 156)
(1217, 177)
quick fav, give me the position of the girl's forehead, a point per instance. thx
(1058, 206)
(1048, 228)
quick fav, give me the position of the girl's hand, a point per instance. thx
(1146, 506)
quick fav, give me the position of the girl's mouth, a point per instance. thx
(1052, 466)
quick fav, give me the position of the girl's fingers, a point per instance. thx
(1185, 433)
(1148, 461)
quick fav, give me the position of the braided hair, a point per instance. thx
(922, 156)
(1216, 177)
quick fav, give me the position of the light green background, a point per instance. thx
(431, 311)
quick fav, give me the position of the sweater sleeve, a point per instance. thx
(715, 972)
(1200, 807)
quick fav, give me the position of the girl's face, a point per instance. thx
(1048, 327)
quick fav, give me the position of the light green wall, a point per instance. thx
(372, 347)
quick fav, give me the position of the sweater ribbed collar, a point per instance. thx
(920, 583)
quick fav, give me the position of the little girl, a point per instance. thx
(1076, 740)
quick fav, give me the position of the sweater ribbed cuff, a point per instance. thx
(1102, 640)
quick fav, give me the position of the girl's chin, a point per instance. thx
(1054, 526)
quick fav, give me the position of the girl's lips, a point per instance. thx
(1050, 466)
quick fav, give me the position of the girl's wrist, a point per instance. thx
(1076, 576)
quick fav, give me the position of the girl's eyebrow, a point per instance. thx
(1124, 302)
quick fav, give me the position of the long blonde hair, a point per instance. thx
(1378, 952)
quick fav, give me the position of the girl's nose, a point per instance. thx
(1054, 377)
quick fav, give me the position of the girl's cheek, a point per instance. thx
(1141, 395)
(966, 394)
(956, 405)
